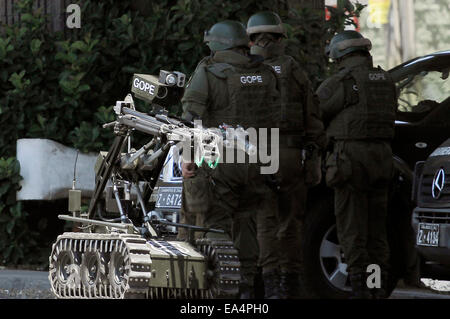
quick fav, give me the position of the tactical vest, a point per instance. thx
(251, 96)
(290, 115)
(370, 105)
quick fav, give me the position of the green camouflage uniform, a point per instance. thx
(217, 95)
(358, 106)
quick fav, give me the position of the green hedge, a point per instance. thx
(15, 238)
(63, 88)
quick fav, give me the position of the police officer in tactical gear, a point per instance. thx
(358, 106)
(196, 193)
(216, 94)
(302, 136)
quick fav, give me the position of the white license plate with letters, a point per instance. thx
(428, 235)
(169, 198)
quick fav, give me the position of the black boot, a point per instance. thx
(360, 290)
(290, 285)
(246, 291)
(271, 285)
(381, 293)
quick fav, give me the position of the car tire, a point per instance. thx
(324, 270)
(318, 224)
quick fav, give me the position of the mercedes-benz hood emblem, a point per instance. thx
(438, 183)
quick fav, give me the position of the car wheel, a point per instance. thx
(324, 273)
(332, 261)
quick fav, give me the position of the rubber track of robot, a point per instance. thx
(223, 267)
(133, 254)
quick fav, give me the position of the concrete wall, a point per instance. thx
(47, 168)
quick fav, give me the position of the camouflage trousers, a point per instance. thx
(361, 199)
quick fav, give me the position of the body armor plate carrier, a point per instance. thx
(370, 104)
(290, 114)
(251, 96)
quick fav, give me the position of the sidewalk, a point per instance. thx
(27, 284)
(409, 293)
(24, 284)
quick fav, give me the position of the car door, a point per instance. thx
(423, 115)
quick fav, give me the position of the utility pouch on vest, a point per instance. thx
(197, 193)
(338, 168)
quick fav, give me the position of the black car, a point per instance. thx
(431, 217)
(424, 106)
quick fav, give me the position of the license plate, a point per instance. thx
(169, 198)
(428, 235)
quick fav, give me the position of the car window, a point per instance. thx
(416, 92)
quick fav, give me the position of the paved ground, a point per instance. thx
(24, 284)
(409, 293)
(27, 284)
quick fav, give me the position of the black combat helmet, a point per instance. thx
(265, 21)
(226, 35)
(346, 42)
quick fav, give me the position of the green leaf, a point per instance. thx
(61, 56)
(129, 69)
(35, 45)
(184, 46)
(16, 79)
(39, 64)
(10, 226)
(26, 17)
(41, 120)
(64, 45)
(125, 19)
(22, 32)
(69, 85)
(95, 133)
(4, 189)
(8, 251)
(79, 45)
